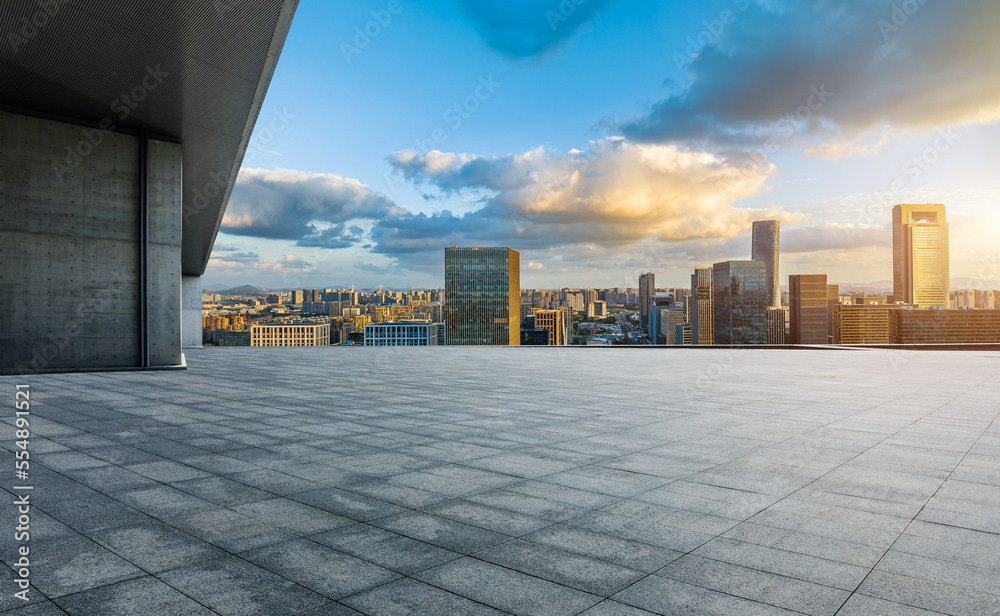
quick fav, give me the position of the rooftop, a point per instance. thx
(443, 480)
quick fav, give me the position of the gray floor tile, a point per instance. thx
(292, 516)
(507, 590)
(75, 564)
(319, 568)
(229, 530)
(156, 546)
(441, 532)
(574, 570)
(666, 596)
(387, 549)
(145, 595)
(234, 586)
(408, 597)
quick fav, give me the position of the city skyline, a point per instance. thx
(648, 171)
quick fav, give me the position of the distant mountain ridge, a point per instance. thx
(246, 290)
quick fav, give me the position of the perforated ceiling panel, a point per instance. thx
(193, 71)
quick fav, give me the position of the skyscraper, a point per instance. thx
(920, 272)
(700, 306)
(647, 287)
(739, 294)
(482, 296)
(807, 296)
(766, 234)
(832, 301)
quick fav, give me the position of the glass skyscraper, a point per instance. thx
(920, 269)
(740, 294)
(700, 306)
(766, 238)
(482, 289)
(647, 288)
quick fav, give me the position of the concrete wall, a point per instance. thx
(69, 249)
(191, 312)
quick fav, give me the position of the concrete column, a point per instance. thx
(191, 312)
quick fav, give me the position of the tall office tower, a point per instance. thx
(553, 321)
(832, 300)
(655, 303)
(776, 326)
(766, 235)
(920, 272)
(589, 296)
(482, 296)
(740, 293)
(700, 304)
(647, 287)
(809, 309)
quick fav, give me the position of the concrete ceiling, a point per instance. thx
(202, 68)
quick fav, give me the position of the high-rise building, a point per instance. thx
(482, 296)
(766, 236)
(776, 325)
(647, 288)
(740, 293)
(553, 321)
(920, 269)
(807, 297)
(600, 309)
(832, 301)
(700, 306)
(655, 303)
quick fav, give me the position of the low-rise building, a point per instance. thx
(402, 333)
(290, 334)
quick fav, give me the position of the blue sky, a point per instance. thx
(607, 138)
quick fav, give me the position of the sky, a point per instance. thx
(602, 139)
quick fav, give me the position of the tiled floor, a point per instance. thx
(441, 481)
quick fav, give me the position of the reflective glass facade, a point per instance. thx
(920, 266)
(740, 295)
(700, 306)
(766, 238)
(482, 296)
